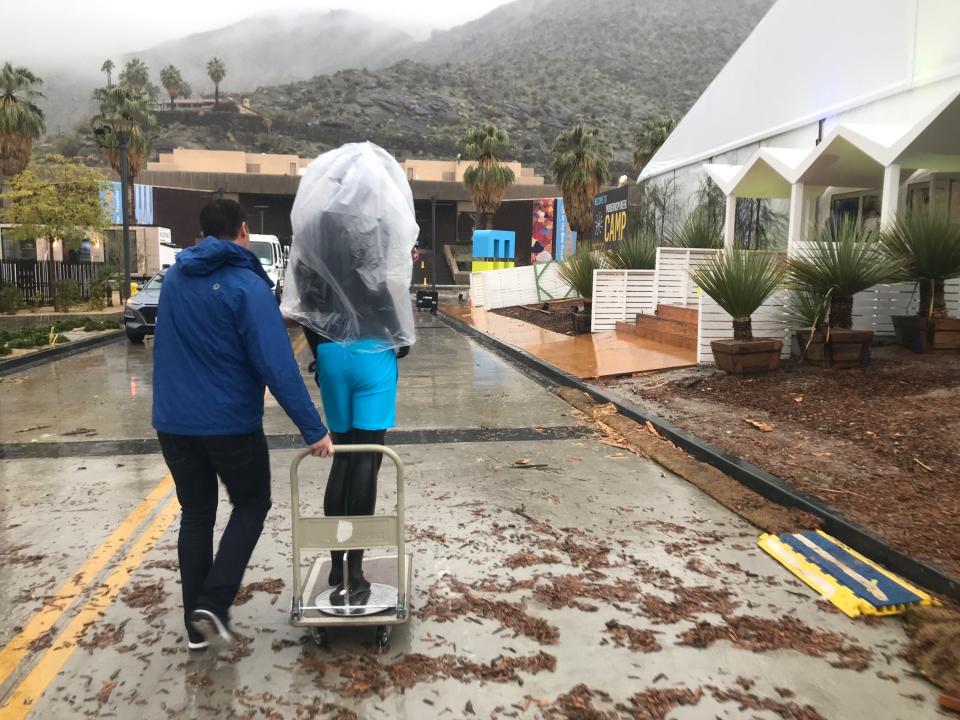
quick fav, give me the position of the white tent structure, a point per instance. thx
(848, 107)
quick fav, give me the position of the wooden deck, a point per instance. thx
(589, 357)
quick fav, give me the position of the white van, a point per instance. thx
(272, 257)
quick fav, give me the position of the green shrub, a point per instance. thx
(699, 230)
(577, 270)
(740, 281)
(68, 295)
(637, 251)
(101, 290)
(9, 299)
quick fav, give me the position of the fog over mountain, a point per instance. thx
(535, 67)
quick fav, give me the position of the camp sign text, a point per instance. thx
(610, 215)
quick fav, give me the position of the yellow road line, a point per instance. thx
(21, 701)
(298, 345)
(44, 619)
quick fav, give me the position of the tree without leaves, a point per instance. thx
(173, 83)
(648, 139)
(107, 68)
(580, 165)
(216, 71)
(135, 75)
(21, 120)
(487, 179)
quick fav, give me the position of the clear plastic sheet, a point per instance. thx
(350, 266)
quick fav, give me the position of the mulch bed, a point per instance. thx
(556, 319)
(882, 443)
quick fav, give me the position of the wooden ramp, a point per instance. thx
(588, 357)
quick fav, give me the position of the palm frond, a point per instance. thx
(926, 246)
(700, 230)
(740, 281)
(805, 310)
(637, 251)
(842, 259)
(577, 270)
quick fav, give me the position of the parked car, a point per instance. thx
(273, 257)
(140, 313)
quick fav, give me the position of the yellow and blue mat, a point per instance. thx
(856, 585)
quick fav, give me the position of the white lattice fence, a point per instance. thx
(716, 324)
(619, 296)
(672, 284)
(492, 289)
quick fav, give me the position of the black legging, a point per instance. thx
(352, 485)
(352, 490)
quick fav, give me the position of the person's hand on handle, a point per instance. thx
(323, 448)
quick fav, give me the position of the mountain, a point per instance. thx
(534, 67)
(271, 49)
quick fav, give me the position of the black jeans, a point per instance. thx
(243, 464)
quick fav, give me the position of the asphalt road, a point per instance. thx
(544, 558)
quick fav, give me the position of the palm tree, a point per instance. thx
(649, 137)
(842, 259)
(123, 109)
(107, 68)
(21, 121)
(927, 249)
(135, 75)
(487, 179)
(580, 164)
(217, 71)
(740, 281)
(172, 82)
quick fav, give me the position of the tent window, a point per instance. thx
(918, 197)
(955, 200)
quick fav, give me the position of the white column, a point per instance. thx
(730, 222)
(797, 225)
(890, 200)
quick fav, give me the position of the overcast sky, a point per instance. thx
(47, 32)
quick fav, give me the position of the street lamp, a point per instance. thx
(261, 208)
(122, 130)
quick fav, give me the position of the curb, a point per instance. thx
(760, 481)
(57, 352)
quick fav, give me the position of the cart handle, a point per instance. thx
(295, 507)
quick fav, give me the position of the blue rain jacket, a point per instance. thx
(220, 340)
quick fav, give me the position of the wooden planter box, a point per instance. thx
(581, 323)
(813, 351)
(922, 334)
(746, 356)
(844, 349)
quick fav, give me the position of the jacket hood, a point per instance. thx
(213, 253)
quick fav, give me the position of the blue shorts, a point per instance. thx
(358, 384)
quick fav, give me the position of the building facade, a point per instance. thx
(828, 109)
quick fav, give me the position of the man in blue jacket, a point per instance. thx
(220, 341)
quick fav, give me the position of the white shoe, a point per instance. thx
(211, 626)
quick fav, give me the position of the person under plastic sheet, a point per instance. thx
(348, 286)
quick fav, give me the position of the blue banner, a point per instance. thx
(566, 243)
(142, 202)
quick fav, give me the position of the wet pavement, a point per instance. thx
(544, 558)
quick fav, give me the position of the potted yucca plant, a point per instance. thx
(842, 259)
(577, 271)
(637, 251)
(740, 281)
(927, 249)
(806, 313)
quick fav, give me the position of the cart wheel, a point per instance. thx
(319, 636)
(383, 637)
